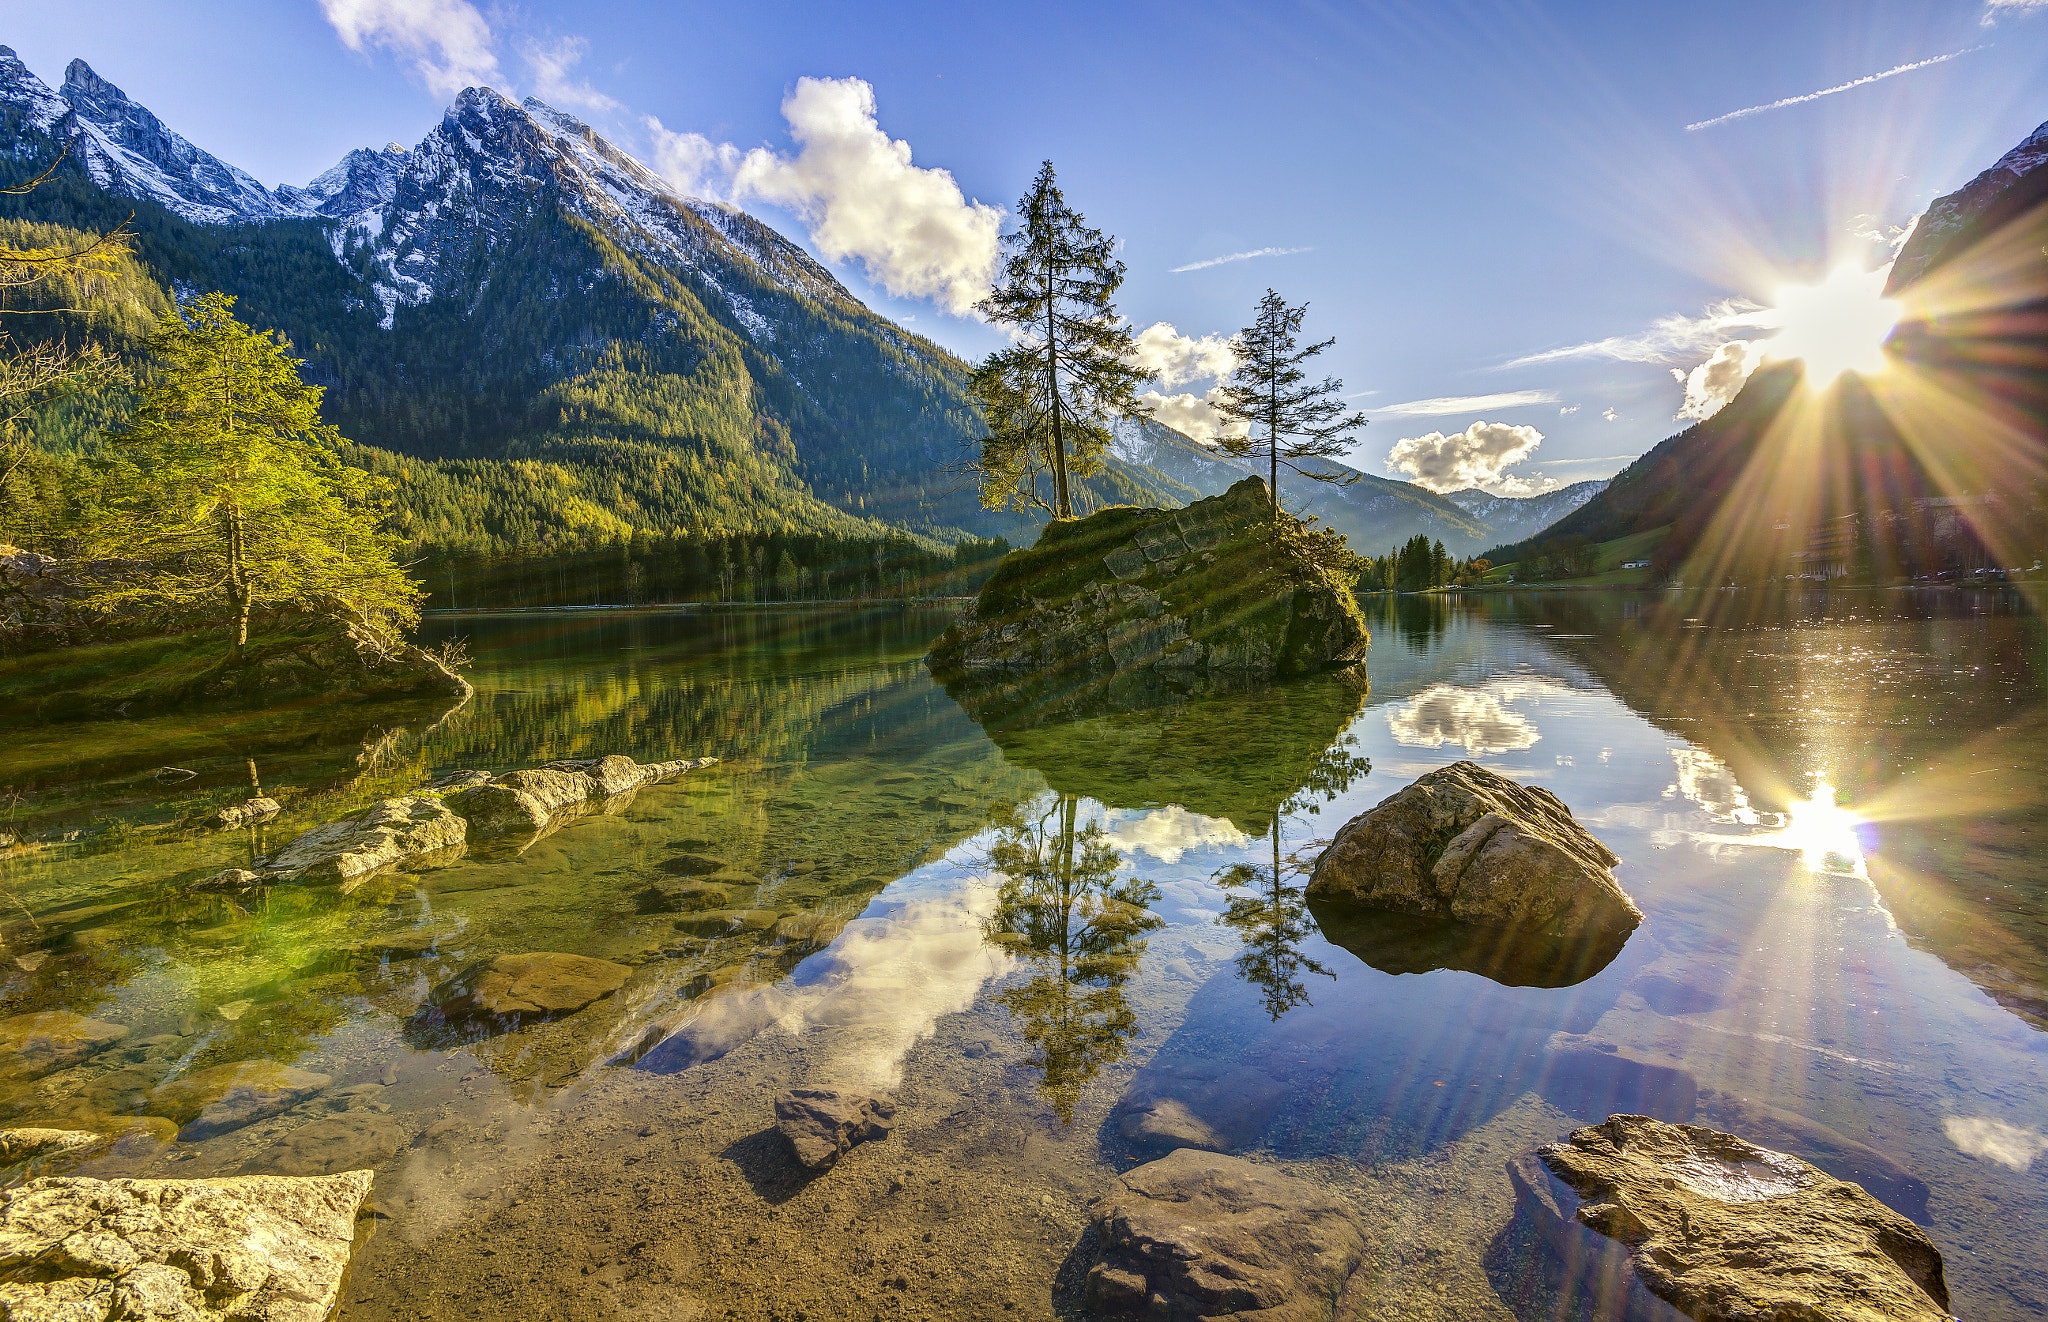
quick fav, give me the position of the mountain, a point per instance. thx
(1373, 513)
(1523, 516)
(552, 349)
(1938, 464)
(1954, 224)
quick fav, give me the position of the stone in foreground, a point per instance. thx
(514, 989)
(823, 1125)
(1202, 1235)
(1681, 1221)
(251, 1248)
(1464, 844)
(1205, 591)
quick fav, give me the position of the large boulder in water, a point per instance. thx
(1184, 595)
(252, 1247)
(1468, 845)
(1679, 1221)
(1201, 1235)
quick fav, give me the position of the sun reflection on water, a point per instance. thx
(1827, 836)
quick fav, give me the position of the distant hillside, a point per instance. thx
(1523, 516)
(1938, 465)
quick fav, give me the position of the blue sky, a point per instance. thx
(1471, 188)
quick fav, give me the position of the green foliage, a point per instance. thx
(1080, 928)
(1573, 555)
(227, 493)
(1049, 400)
(1283, 414)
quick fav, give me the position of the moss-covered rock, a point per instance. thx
(1213, 590)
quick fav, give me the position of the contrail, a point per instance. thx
(1828, 91)
(1236, 257)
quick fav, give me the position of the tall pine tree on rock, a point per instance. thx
(1283, 414)
(1050, 398)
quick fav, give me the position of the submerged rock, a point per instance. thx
(1200, 1235)
(19, 1145)
(353, 1141)
(32, 1045)
(402, 830)
(1204, 1104)
(214, 1101)
(1468, 845)
(530, 802)
(1179, 593)
(1592, 1078)
(823, 1125)
(260, 1248)
(1715, 1227)
(513, 989)
(234, 816)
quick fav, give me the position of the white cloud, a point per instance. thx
(1709, 782)
(1178, 359)
(697, 166)
(1865, 80)
(1994, 8)
(1567, 410)
(448, 41)
(1170, 832)
(1669, 338)
(1710, 386)
(1473, 457)
(1193, 416)
(1609, 414)
(860, 198)
(1228, 258)
(1449, 405)
(1995, 1140)
(553, 65)
(1473, 719)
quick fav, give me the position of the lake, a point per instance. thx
(1060, 934)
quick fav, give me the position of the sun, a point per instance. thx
(1839, 325)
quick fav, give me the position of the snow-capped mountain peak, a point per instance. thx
(128, 150)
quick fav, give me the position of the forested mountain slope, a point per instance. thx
(515, 290)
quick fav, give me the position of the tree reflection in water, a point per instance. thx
(1267, 907)
(1066, 912)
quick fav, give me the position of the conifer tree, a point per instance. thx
(227, 493)
(1283, 415)
(1050, 398)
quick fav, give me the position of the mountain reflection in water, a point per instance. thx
(1066, 934)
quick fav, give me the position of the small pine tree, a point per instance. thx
(1050, 398)
(1285, 416)
(227, 493)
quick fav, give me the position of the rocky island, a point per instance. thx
(1213, 594)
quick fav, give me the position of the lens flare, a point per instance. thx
(1825, 834)
(1839, 325)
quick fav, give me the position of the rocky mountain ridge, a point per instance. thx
(1522, 516)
